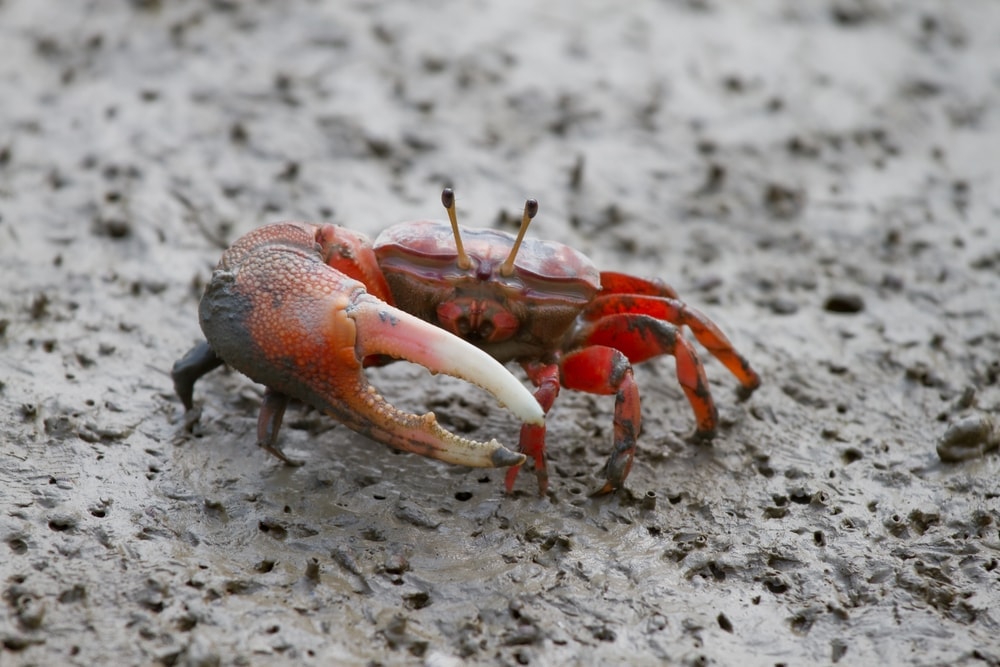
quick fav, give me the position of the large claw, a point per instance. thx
(277, 313)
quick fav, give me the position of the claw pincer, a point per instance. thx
(279, 310)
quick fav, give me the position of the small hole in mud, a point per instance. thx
(576, 490)
(819, 538)
(417, 601)
(850, 455)
(378, 497)
(673, 500)
(724, 623)
(273, 630)
(776, 585)
(286, 509)
(17, 545)
(276, 530)
(485, 479)
(265, 566)
(99, 513)
(62, 524)
(463, 496)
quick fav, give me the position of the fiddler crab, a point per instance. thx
(304, 308)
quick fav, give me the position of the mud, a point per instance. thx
(820, 178)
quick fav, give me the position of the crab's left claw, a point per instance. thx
(278, 313)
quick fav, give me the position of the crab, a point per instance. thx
(304, 308)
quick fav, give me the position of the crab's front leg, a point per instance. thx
(596, 369)
(277, 311)
(546, 378)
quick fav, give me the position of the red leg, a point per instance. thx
(640, 337)
(622, 283)
(546, 378)
(676, 312)
(605, 370)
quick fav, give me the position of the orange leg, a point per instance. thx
(678, 313)
(546, 378)
(601, 369)
(640, 337)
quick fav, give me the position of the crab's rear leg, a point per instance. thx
(601, 369)
(199, 360)
(640, 337)
(272, 411)
(677, 312)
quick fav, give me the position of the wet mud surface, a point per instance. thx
(820, 178)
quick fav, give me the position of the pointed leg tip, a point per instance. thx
(191, 417)
(744, 392)
(295, 463)
(607, 489)
(702, 436)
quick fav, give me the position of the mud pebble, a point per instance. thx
(396, 562)
(411, 514)
(968, 438)
(784, 202)
(201, 652)
(30, 611)
(844, 303)
(782, 306)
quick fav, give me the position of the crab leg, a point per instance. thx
(640, 337)
(605, 370)
(623, 283)
(277, 313)
(532, 443)
(680, 314)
